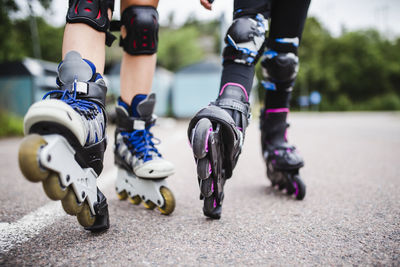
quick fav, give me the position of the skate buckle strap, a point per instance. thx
(235, 105)
(81, 88)
(139, 125)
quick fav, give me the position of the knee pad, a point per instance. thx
(141, 25)
(91, 12)
(245, 40)
(279, 70)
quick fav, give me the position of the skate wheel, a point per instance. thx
(70, 204)
(203, 168)
(122, 195)
(28, 158)
(200, 138)
(149, 205)
(85, 217)
(300, 188)
(206, 187)
(53, 188)
(135, 200)
(169, 201)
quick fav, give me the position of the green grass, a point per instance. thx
(10, 125)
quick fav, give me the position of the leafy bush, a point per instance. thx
(11, 125)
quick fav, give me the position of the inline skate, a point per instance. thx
(216, 134)
(282, 160)
(66, 140)
(141, 168)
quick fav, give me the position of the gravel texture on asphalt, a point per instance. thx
(350, 215)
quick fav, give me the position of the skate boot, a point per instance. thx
(141, 168)
(216, 134)
(282, 160)
(66, 140)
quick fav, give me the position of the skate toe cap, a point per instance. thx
(153, 169)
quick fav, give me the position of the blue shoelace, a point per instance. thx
(79, 105)
(142, 142)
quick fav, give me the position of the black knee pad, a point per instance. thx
(141, 24)
(279, 70)
(245, 39)
(90, 12)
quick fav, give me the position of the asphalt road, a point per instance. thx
(350, 215)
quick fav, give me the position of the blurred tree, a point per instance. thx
(14, 43)
(357, 70)
(180, 47)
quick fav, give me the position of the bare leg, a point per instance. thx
(136, 71)
(87, 41)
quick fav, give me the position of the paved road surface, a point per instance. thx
(351, 214)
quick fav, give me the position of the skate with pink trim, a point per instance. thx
(216, 134)
(282, 160)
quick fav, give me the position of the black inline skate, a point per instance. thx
(216, 134)
(66, 140)
(282, 160)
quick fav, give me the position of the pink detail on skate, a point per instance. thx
(276, 110)
(297, 189)
(207, 136)
(98, 15)
(212, 187)
(87, 9)
(276, 152)
(209, 168)
(235, 84)
(288, 150)
(215, 203)
(286, 139)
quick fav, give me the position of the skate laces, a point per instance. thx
(142, 143)
(79, 105)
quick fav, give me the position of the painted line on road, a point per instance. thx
(29, 226)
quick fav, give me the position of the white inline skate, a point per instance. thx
(141, 168)
(66, 140)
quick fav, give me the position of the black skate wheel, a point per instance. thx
(70, 203)
(200, 137)
(206, 187)
(211, 209)
(28, 158)
(203, 168)
(169, 201)
(53, 188)
(300, 188)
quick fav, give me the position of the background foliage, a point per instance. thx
(359, 70)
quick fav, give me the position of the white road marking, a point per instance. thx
(29, 226)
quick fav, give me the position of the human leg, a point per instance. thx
(141, 168)
(280, 66)
(217, 132)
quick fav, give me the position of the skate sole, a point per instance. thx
(152, 193)
(62, 177)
